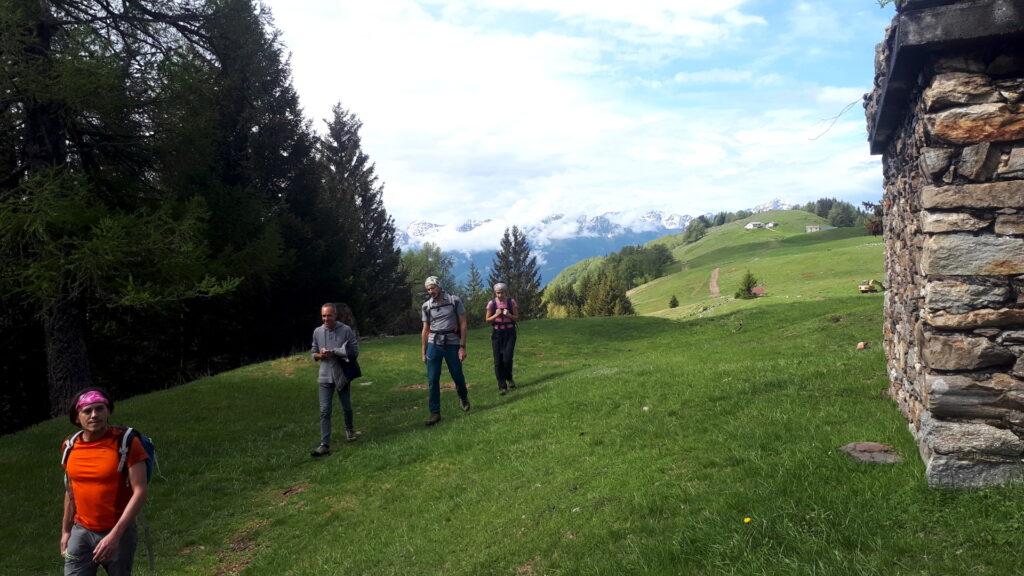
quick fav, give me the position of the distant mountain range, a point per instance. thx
(557, 240)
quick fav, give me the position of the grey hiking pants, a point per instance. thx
(78, 561)
(326, 399)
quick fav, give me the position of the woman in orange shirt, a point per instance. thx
(101, 502)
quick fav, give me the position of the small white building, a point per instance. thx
(771, 225)
(752, 225)
(814, 228)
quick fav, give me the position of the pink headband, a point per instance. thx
(91, 397)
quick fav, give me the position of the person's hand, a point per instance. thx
(106, 549)
(462, 353)
(424, 357)
(64, 537)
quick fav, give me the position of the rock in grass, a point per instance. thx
(872, 453)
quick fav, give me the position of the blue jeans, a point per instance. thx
(327, 390)
(450, 354)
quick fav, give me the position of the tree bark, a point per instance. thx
(67, 359)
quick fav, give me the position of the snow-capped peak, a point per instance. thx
(773, 204)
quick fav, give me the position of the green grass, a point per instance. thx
(792, 264)
(633, 446)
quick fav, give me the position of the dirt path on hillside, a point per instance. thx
(714, 284)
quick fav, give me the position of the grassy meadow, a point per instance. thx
(642, 445)
(792, 264)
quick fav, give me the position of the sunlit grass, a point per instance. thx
(633, 446)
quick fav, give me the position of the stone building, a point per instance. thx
(947, 115)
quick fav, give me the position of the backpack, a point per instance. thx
(451, 302)
(126, 442)
(508, 305)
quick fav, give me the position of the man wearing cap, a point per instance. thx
(100, 503)
(443, 338)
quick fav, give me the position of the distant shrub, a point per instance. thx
(746, 289)
(673, 302)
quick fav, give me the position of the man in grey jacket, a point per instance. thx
(335, 347)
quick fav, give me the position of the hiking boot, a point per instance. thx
(512, 384)
(465, 404)
(502, 391)
(320, 450)
(351, 435)
(434, 419)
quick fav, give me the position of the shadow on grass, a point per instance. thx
(412, 420)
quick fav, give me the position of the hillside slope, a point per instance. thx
(791, 263)
(632, 446)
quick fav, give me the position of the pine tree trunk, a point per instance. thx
(66, 357)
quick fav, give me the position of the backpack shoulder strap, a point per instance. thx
(126, 443)
(68, 445)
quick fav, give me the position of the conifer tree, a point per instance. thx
(476, 297)
(380, 285)
(514, 266)
(87, 223)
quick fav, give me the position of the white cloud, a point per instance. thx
(469, 117)
(727, 76)
(839, 95)
(693, 22)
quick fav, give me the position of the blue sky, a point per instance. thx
(516, 109)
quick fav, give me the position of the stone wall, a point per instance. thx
(948, 118)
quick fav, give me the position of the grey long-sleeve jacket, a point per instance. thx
(344, 345)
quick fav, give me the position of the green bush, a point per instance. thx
(673, 302)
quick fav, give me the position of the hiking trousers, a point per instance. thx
(503, 345)
(326, 399)
(78, 560)
(450, 354)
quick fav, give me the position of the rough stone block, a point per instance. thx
(955, 472)
(995, 122)
(1008, 194)
(967, 255)
(960, 297)
(935, 161)
(975, 318)
(1014, 166)
(1010, 224)
(961, 352)
(1012, 336)
(959, 63)
(939, 222)
(957, 89)
(962, 438)
(979, 162)
(1018, 368)
(1004, 64)
(997, 397)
